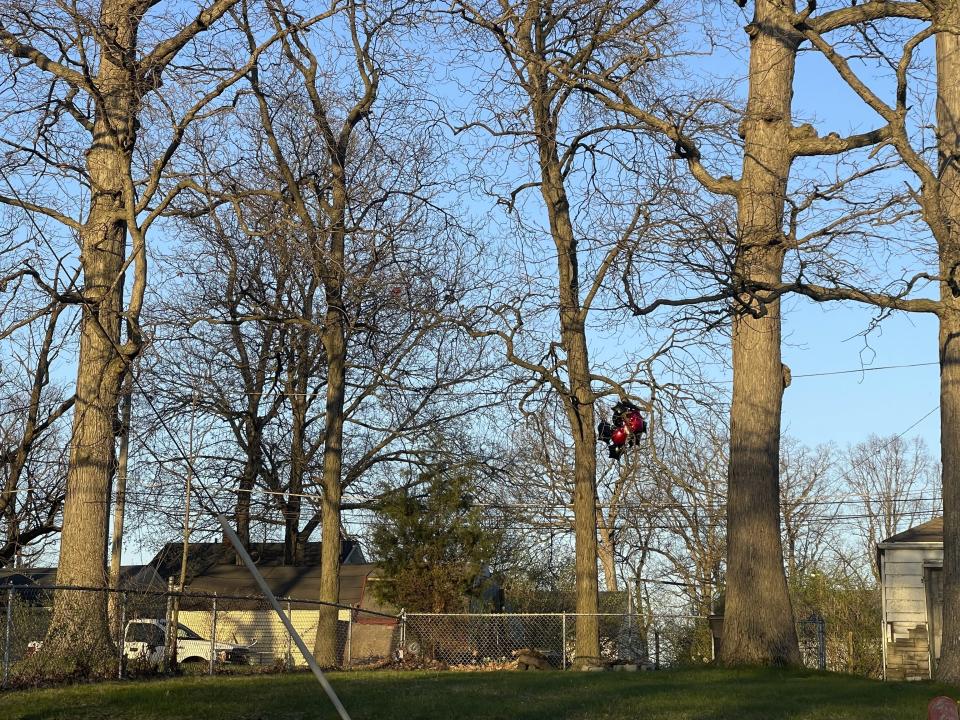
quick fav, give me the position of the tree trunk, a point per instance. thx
(120, 493)
(325, 646)
(292, 547)
(948, 124)
(79, 635)
(578, 402)
(605, 551)
(251, 470)
(758, 625)
(335, 346)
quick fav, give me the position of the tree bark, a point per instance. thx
(948, 126)
(325, 646)
(335, 346)
(300, 367)
(758, 624)
(253, 434)
(120, 493)
(292, 546)
(578, 401)
(605, 551)
(79, 633)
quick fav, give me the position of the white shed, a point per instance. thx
(911, 582)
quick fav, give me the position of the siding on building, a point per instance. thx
(904, 566)
(369, 642)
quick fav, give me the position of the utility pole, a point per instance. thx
(119, 507)
(174, 615)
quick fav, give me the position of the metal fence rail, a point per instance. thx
(213, 633)
(487, 639)
(235, 634)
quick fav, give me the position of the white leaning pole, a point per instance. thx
(311, 661)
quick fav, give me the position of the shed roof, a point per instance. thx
(929, 532)
(201, 557)
(300, 583)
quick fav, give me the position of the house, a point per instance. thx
(245, 617)
(202, 556)
(911, 585)
(132, 577)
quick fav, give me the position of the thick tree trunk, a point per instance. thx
(325, 646)
(948, 124)
(78, 636)
(578, 403)
(253, 433)
(335, 347)
(587, 641)
(758, 624)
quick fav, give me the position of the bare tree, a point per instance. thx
(806, 484)
(85, 76)
(894, 480)
(688, 476)
(336, 189)
(536, 119)
(938, 197)
(758, 625)
(33, 475)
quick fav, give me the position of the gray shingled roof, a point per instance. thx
(205, 555)
(302, 583)
(928, 532)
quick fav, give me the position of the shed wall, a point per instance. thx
(369, 642)
(907, 645)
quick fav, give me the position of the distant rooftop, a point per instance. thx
(928, 532)
(130, 575)
(201, 557)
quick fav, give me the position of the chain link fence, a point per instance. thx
(155, 631)
(493, 640)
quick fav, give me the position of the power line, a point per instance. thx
(825, 373)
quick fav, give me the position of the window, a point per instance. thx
(148, 633)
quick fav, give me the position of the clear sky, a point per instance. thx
(846, 408)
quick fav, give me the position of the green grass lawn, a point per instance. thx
(708, 694)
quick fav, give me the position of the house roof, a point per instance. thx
(299, 583)
(203, 556)
(930, 532)
(130, 575)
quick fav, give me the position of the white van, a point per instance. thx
(143, 639)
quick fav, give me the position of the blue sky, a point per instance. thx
(846, 408)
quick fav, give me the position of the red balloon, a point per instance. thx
(942, 708)
(618, 436)
(635, 422)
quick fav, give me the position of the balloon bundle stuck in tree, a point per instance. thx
(624, 431)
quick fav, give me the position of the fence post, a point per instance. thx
(403, 634)
(656, 649)
(289, 638)
(563, 641)
(349, 657)
(822, 644)
(166, 627)
(123, 635)
(6, 634)
(213, 633)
